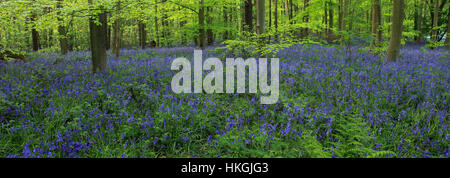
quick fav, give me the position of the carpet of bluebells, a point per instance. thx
(331, 105)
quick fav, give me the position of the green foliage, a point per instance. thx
(177, 21)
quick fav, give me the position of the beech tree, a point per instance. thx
(396, 32)
(376, 21)
(97, 37)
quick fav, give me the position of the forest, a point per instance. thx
(92, 79)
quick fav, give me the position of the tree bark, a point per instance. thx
(396, 32)
(63, 44)
(34, 34)
(325, 18)
(341, 15)
(116, 40)
(209, 31)
(349, 13)
(225, 20)
(248, 15)
(306, 19)
(418, 20)
(376, 22)
(330, 21)
(142, 35)
(97, 38)
(291, 14)
(201, 25)
(447, 40)
(260, 18)
(434, 35)
(260, 23)
(275, 16)
(108, 35)
(156, 25)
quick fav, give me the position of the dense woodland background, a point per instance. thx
(66, 25)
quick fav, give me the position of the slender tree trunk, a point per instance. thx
(349, 13)
(434, 35)
(260, 18)
(396, 32)
(270, 16)
(108, 36)
(416, 19)
(341, 15)
(106, 28)
(156, 25)
(225, 20)
(260, 22)
(209, 31)
(248, 15)
(184, 37)
(447, 40)
(34, 34)
(97, 38)
(376, 21)
(164, 23)
(346, 16)
(201, 25)
(330, 21)
(117, 34)
(50, 31)
(142, 35)
(325, 19)
(306, 18)
(419, 21)
(63, 44)
(50, 38)
(291, 15)
(275, 16)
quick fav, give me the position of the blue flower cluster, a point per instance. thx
(332, 104)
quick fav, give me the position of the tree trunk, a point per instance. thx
(225, 20)
(260, 23)
(325, 18)
(116, 40)
(434, 35)
(306, 18)
(260, 18)
(275, 16)
(108, 36)
(291, 15)
(156, 25)
(97, 37)
(341, 15)
(209, 31)
(330, 21)
(34, 34)
(396, 32)
(349, 13)
(270, 16)
(447, 39)
(142, 35)
(419, 21)
(416, 19)
(63, 44)
(376, 21)
(248, 15)
(201, 25)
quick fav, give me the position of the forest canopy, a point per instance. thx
(63, 25)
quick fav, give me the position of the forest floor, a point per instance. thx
(331, 105)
